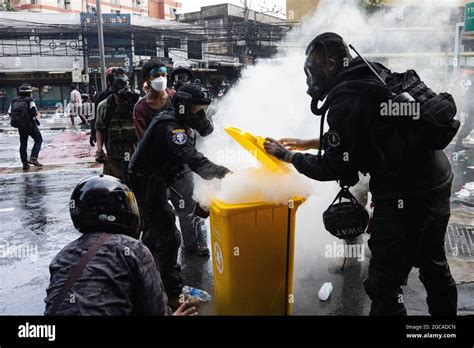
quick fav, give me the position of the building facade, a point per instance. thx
(51, 51)
(158, 9)
(236, 34)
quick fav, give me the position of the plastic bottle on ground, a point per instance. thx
(325, 291)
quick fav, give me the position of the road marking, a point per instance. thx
(6, 210)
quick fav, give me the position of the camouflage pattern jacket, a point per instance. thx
(121, 279)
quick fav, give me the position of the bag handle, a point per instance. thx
(345, 193)
(77, 270)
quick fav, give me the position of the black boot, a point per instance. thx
(26, 165)
(34, 161)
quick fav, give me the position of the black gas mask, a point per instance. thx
(121, 87)
(185, 98)
(319, 85)
(316, 79)
(200, 122)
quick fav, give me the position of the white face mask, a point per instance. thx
(159, 84)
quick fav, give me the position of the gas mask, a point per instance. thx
(200, 122)
(121, 87)
(319, 85)
(316, 79)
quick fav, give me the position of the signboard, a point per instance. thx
(76, 76)
(469, 17)
(117, 41)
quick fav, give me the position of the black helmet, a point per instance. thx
(25, 88)
(346, 220)
(187, 96)
(103, 204)
(192, 94)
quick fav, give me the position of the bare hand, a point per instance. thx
(298, 144)
(184, 311)
(100, 156)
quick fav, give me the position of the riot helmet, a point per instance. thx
(25, 89)
(103, 204)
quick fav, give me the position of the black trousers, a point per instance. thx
(33, 132)
(409, 233)
(192, 230)
(160, 233)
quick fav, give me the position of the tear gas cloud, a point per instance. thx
(253, 185)
(270, 100)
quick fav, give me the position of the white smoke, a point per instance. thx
(253, 185)
(270, 100)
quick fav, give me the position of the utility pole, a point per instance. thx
(246, 11)
(100, 30)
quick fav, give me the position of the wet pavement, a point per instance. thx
(35, 218)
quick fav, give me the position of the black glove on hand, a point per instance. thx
(277, 150)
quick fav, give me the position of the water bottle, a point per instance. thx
(325, 291)
(201, 295)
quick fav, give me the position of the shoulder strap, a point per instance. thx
(77, 270)
(356, 86)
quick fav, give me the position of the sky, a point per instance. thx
(267, 5)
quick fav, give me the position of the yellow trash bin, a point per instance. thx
(253, 248)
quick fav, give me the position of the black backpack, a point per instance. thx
(19, 117)
(393, 138)
(436, 126)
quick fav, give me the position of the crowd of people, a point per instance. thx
(147, 146)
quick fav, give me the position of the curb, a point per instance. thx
(14, 130)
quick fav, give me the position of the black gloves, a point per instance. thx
(277, 150)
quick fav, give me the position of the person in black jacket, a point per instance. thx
(121, 277)
(411, 199)
(166, 153)
(24, 106)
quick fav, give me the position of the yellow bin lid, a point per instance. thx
(254, 145)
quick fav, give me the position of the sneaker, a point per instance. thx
(26, 165)
(34, 161)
